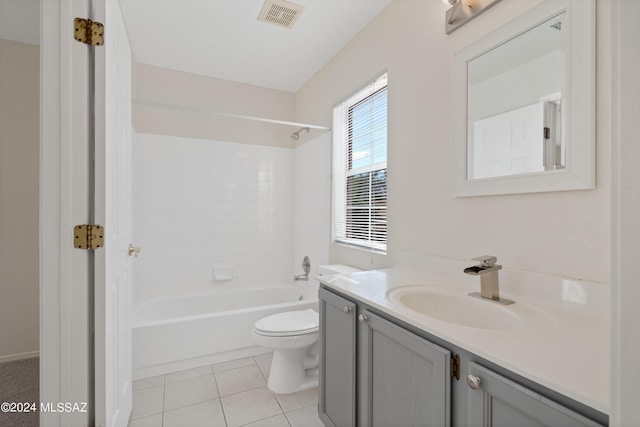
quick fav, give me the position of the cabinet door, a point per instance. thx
(405, 379)
(337, 399)
(499, 402)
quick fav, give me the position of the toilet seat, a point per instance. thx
(289, 323)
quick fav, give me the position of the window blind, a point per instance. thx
(360, 168)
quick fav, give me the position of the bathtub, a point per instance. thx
(183, 332)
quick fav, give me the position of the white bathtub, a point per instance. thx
(172, 334)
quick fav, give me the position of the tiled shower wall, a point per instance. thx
(199, 204)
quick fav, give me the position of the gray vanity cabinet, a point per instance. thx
(495, 401)
(337, 399)
(404, 379)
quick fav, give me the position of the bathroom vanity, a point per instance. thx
(383, 364)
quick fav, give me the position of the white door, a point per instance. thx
(65, 359)
(113, 361)
(70, 371)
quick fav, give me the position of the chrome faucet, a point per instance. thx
(306, 267)
(488, 272)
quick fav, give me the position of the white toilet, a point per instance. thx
(293, 335)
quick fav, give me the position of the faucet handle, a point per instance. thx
(486, 260)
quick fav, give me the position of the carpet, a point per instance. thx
(19, 385)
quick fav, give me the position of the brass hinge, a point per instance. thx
(88, 32)
(88, 236)
(455, 367)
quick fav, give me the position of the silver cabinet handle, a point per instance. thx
(362, 318)
(473, 381)
(347, 309)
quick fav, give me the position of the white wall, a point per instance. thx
(565, 233)
(19, 145)
(159, 85)
(312, 202)
(200, 203)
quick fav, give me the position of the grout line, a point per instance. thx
(151, 386)
(215, 380)
(266, 378)
(267, 418)
(148, 415)
(191, 404)
(287, 418)
(189, 378)
(194, 403)
(164, 391)
(249, 389)
(275, 396)
(232, 369)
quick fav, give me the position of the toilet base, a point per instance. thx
(292, 371)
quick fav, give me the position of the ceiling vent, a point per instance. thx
(280, 12)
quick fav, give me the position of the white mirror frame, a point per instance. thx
(579, 173)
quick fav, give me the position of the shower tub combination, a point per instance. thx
(183, 332)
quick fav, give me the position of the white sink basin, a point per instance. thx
(454, 306)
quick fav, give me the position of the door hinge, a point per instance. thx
(455, 366)
(88, 32)
(547, 133)
(88, 236)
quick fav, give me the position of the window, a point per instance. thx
(360, 168)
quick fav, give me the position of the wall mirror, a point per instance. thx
(524, 104)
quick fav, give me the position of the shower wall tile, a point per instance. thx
(199, 204)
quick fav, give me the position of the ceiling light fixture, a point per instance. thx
(463, 11)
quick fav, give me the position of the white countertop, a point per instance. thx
(562, 348)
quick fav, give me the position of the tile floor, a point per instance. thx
(224, 394)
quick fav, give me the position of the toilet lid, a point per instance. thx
(290, 322)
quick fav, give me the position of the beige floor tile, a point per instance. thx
(233, 364)
(148, 401)
(190, 391)
(205, 414)
(189, 373)
(239, 380)
(304, 417)
(290, 402)
(277, 421)
(250, 406)
(148, 383)
(152, 421)
(264, 358)
(191, 398)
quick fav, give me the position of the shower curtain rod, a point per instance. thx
(235, 116)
